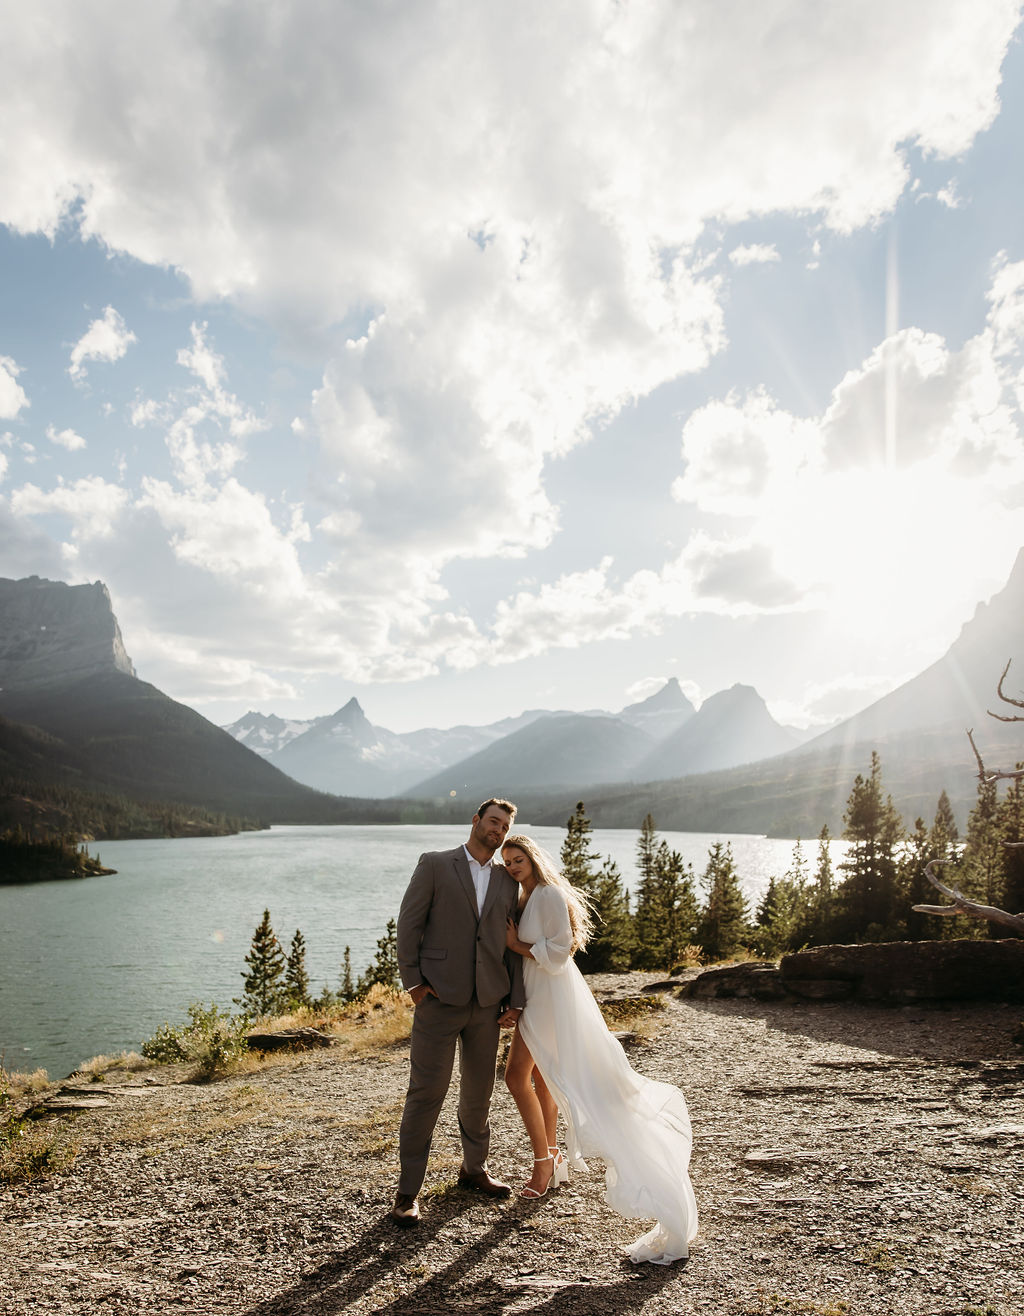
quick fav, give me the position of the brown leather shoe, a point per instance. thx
(483, 1183)
(406, 1211)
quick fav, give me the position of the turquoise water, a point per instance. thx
(95, 966)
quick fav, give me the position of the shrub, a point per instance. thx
(211, 1040)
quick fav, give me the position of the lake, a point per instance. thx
(93, 967)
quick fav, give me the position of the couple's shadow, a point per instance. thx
(333, 1286)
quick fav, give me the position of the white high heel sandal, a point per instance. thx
(532, 1192)
(561, 1172)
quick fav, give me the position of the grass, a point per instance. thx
(631, 1010)
(96, 1069)
(30, 1149)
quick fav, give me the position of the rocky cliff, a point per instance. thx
(52, 632)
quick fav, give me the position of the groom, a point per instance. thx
(455, 965)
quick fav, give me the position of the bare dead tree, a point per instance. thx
(1014, 703)
(961, 905)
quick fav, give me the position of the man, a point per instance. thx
(465, 985)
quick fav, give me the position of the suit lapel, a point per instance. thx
(493, 887)
(461, 866)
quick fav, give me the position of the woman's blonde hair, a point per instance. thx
(547, 873)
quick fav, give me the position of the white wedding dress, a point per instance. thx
(639, 1128)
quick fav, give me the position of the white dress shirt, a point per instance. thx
(481, 875)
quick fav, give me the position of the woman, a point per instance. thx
(640, 1128)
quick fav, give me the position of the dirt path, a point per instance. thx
(846, 1160)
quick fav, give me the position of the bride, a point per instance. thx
(563, 1058)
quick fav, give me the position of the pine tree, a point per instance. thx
(783, 913)
(1011, 834)
(610, 948)
(348, 989)
(821, 895)
(384, 968)
(666, 911)
(723, 927)
(646, 848)
(980, 874)
(869, 897)
(577, 857)
(266, 963)
(296, 979)
(941, 842)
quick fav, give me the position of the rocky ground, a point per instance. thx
(846, 1160)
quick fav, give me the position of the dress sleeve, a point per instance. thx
(553, 950)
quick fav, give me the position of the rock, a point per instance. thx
(50, 632)
(754, 979)
(903, 972)
(301, 1039)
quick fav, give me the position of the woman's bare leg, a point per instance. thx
(519, 1075)
(548, 1108)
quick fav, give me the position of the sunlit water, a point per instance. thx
(95, 966)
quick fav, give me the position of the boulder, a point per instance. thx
(905, 972)
(299, 1039)
(756, 979)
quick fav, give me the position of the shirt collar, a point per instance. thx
(482, 867)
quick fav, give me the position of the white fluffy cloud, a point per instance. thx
(66, 438)
(490, 215)
(12, 396)
(105, 340)
(756, 253)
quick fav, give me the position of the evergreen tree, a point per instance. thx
(666, 911)
(296, 979)
(980, 872)
(783, 912)
(348, 989)
(820, 896)
(723, 928)
(646, 849)
(610, 948)
(869, 897)
(1011, 834)
(577, 857)
(940, 842)
(266, 963)
(384, 968)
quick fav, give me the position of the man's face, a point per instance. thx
(491, 827)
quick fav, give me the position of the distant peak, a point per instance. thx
(669, 698)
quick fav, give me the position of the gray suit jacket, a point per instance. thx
(442, 941)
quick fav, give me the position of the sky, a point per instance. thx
(472, 358)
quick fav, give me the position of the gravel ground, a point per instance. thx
(846, 1160)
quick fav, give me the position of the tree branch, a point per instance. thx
(961, 905)
(984, 774)
(1014, 703)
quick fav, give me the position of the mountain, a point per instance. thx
(732, 727)
(958, 690)
(344, 753)
(580, 749)
(266, 733)
(347, 755)
(50, 632)
(73, 714)
(919, 731)
(661, 713)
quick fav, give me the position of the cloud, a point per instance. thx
(105, 340)
(12, 395)
(758, 253)
(92, 505)
(455, 207)
(65, 438)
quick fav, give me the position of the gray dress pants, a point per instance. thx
(437, 1030)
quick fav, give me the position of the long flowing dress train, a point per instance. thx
(640, 1128)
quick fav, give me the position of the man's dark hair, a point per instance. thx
(507, 805)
